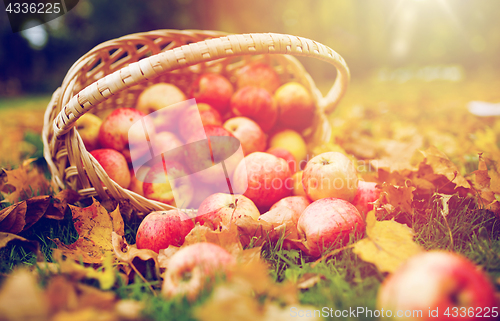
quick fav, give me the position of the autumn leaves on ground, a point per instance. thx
(67, 258)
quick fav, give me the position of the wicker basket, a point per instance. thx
(114, 73)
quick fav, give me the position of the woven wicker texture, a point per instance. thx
(113, 74)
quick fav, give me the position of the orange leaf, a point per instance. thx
(94, 226)
(22, 183)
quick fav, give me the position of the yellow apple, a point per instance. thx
(292, 141)
(88, 127)
(298, 189)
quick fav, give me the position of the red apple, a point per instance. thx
(260, 75)
(207, 148)
(251, 137)
(194, 268)
(221, 209)
(255, 103)
(123, 130)
(169, 145)
(286, 155)
(88, 126)
(267, 177)
(366, 194)
(114, 164)
(330, 174)
(164, 103)
(177, 191)
(329, 223)
(213, 89)
(189, 119)
(439, 282)
(297, 203)
(160, 229)
(296, 106)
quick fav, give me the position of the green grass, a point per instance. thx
(38, 102)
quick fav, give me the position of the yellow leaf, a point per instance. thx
(387, 245)
(94, 226)
(22, 183)
(441, 165)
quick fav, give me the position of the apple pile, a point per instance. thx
(320, 200)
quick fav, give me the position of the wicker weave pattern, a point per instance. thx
(114, 73)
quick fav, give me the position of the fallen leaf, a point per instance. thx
(94, 226)
(21, 216)
(399, 198)
(226, 238)
(482, 184)
(8, 238)
(441, 165)
(21, 298)
(22, 183)
(58, 207)
(255, 233)
(387, 244)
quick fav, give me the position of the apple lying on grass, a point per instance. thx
(258, 74)
(160, 229)
(268, 179)
(330, 174)
(443, 285)
(220, 209)
(329, 223)
(213, 89)
(88, 126)
(251, 137)
(194, 268)
(366, 194)
(257, 104)
(114, 164)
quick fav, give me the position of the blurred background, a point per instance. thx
(387, 39)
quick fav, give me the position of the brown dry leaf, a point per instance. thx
(483, 183)
(21, 216)
(21, 298)
(131, 257)
(255, 232)
(227, 238)
(58, 207)
(441, 165)
(238, 298)
(22, 183)
(8, 238)
(397, 197)
(387, 244)
(94, 226)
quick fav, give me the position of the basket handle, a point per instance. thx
(203, 51)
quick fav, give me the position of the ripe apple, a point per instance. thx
(366, 194)
(117, 132)
(160, 229)
(189, 119)
(298, 189)
(258, 74)
(297, 203)
(292, 141)
(114, 164)
(328, 223)
(330, 174)
(285, 213)
(158, 187)
(267, 177)
(195, 268)
(213, 89)
(137, 179)
(248, 132)
(209, 146)
(296, 106)
(221, 209)
(442, 281)
(169, 145)
(164, 99)
(88, 127)
(286, 155)
(257, 104)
